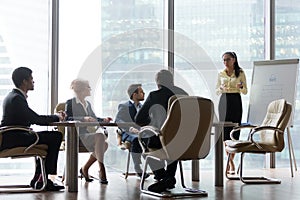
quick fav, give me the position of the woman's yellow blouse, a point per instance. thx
(231, 83)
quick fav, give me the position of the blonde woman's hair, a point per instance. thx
(79, 85)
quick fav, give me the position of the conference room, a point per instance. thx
(116, 43)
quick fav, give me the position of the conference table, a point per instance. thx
(72, 143)
(219, 152)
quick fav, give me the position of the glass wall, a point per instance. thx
(206, 30)
(123, 42)
(114, 43)
(287, 46)
(24, 41)
(211, 28)
(132, 47)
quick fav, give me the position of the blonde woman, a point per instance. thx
(78, 108)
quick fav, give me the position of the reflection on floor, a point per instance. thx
(119, 188)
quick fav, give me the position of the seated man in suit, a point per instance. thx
(154, 112)
(126, 113)
(17, 112)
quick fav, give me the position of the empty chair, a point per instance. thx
(266, 138)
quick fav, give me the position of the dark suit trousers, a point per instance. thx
(51, 138)
(158, 166)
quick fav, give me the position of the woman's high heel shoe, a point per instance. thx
(101, 179)
(86, 177)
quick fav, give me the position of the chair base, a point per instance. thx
(255, 180)
(26, 188)
(251, 179)
(178, 192)
(18, 189)
(182, 191)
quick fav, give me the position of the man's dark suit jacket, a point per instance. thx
(17, 112)
(154, 112)
(154, 109)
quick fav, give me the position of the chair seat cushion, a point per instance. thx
(236, 146)
(40, 150)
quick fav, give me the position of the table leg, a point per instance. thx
(218, 156)
(195, 170)
(72, 159)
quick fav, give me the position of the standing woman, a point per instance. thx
(231, 83)
(80, 109)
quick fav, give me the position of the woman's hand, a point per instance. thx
(223, 87)
(107, 119)
(89, 119)
(240, 85)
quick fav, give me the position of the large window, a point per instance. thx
(204, 30)
(115, 43)
(210, 28)
(287, 45)
(24, 41)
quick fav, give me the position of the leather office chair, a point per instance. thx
(266, 138)
(60, 107)
(37, 151)
(184, 135)
(125, 146)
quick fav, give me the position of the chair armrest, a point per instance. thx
(243, 126)
(21, 128)
(4, 128)
(146, 132)
(262, 128)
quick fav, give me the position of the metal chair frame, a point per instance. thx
(37, 151)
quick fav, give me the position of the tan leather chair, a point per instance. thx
(184, 135)
(37, 151)
(125, 146)
(60, 107)
(266, 138)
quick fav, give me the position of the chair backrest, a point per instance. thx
(185, 134)
(278, 115)
(60, 107)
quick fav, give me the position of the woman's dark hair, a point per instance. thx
(237, 68)
(20, 74)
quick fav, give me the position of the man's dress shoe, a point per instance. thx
(49, 187)
(163, 185)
